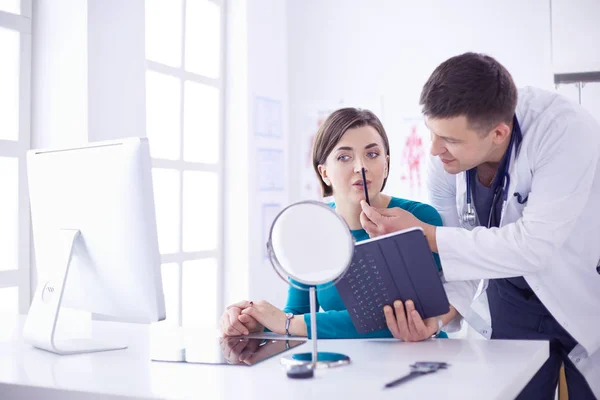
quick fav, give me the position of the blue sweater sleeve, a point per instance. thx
(298, 301)
(330, 324)
(338, 325)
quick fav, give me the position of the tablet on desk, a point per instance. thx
(225, 350)
(397, 266)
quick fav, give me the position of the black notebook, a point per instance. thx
(398, 266)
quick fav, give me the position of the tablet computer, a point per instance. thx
(234, 350)
(397, 266)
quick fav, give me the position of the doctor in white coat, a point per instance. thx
(515, 175)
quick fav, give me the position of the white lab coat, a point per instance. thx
(553, 240)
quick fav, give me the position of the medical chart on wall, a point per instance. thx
(269, 156)
(409, 146)
(268, 119)
(311, 189)
(271, 169)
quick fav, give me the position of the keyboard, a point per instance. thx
(369, 290)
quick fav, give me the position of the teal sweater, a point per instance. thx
(334, 322)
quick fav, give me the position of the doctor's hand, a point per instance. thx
(381, 221)
(233, 323)
(407, 324)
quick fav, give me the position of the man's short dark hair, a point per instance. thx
(472, 85)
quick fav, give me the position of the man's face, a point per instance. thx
(459, 147)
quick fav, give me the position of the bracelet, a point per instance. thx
(288, 317)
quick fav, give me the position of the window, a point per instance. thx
(15, 67)
(184, 114)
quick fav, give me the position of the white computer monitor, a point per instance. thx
(95, 239)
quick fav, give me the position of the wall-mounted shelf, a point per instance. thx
(577, 77)
(580, 79)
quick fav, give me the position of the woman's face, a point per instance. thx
(358, 148)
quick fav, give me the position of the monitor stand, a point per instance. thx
(40, 325)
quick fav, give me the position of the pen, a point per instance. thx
(365, 186)
(405, 378)
(418, 369)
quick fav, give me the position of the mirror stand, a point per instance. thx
(332, 247)
(315, 359)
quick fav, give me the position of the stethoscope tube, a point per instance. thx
(515, 141)
(469, 216)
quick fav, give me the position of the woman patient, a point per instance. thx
(350, 139)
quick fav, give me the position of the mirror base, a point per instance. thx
(324, 359)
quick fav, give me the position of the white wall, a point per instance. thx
(256, 67)
(59, 73)
(575, 35)
(59, 77)
(378, 54)
(116, 69)
(268, 78)
(88, 74)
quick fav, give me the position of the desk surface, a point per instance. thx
(479, 369)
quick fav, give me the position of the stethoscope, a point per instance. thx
(469, 215)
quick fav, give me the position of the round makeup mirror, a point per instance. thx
(309, 245)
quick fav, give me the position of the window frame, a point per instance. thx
(20, 277)
(182, 166)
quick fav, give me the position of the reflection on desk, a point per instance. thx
(221, 351)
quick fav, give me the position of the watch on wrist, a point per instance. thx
(288, 318)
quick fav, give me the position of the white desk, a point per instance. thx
(479, 370)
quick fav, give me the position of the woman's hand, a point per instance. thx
(250, 351)
(233, 323)
(237, 350)
(267, 315)
(407, 324)
(262, 351)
